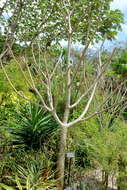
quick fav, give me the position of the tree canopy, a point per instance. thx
(47, 20)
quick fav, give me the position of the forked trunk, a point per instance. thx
(61, 157)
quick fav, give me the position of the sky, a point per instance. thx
(119, 4)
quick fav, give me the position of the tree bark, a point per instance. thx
(61, 156)
(105, 180)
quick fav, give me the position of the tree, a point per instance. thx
(68, 83)
(120, 63)
(30, 20)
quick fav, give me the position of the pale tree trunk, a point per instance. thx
(63, 128)
(61, 156)
(105, 179)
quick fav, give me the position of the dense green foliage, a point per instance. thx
(120, 63)
(90, 19)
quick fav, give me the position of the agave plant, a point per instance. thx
(36, 128)
(31, 170)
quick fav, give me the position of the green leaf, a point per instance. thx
(18, 183)
(6, 187)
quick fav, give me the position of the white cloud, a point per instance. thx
(124, 27)
(119, 4)
(1, 2)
